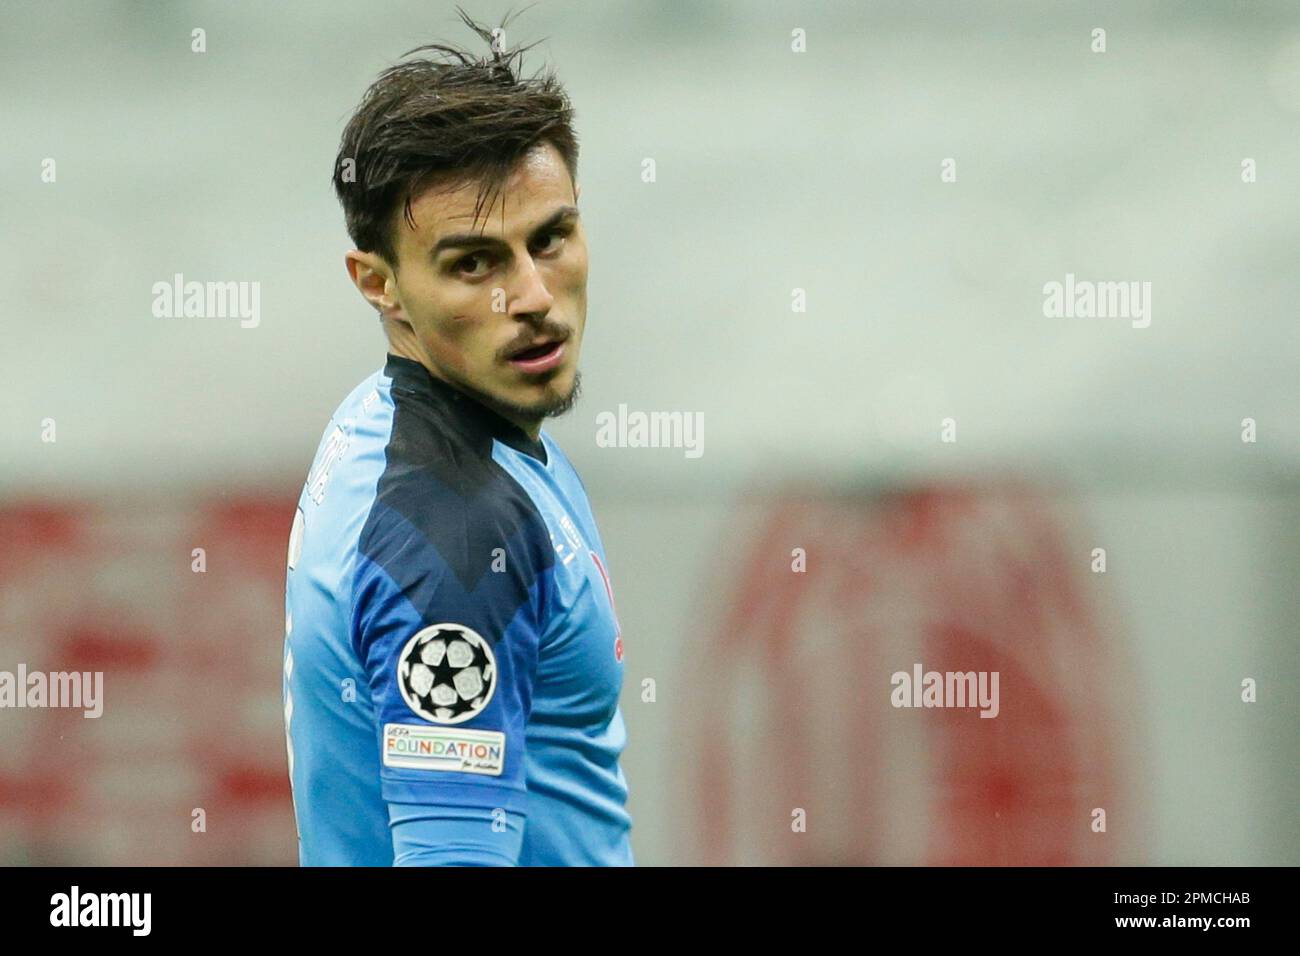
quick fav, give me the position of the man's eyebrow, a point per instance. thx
(474, 240)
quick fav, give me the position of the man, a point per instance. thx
(452, 659)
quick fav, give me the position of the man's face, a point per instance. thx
(497, 307)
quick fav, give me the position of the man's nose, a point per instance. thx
(529, 296)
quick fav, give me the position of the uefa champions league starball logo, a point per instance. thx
(447, 673)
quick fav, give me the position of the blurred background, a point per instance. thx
(839, 266)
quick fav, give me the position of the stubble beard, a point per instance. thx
(551, 407)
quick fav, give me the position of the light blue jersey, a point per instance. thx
(452, 657)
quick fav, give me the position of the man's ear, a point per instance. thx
(577, 191)
(373, 279)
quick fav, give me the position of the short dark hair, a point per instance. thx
(452, 117)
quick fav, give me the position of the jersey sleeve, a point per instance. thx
(454, 836)
(447, 631)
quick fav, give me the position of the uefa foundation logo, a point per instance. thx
(447, 673)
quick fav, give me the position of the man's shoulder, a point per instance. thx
(443, 500)
(364, 398)
(562, 466)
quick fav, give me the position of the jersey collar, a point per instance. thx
(473, 416)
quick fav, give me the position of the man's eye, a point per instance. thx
(464, 266)
(557, 234)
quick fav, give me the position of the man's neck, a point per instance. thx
(409, 349)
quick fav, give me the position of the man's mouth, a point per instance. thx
(539, 358)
